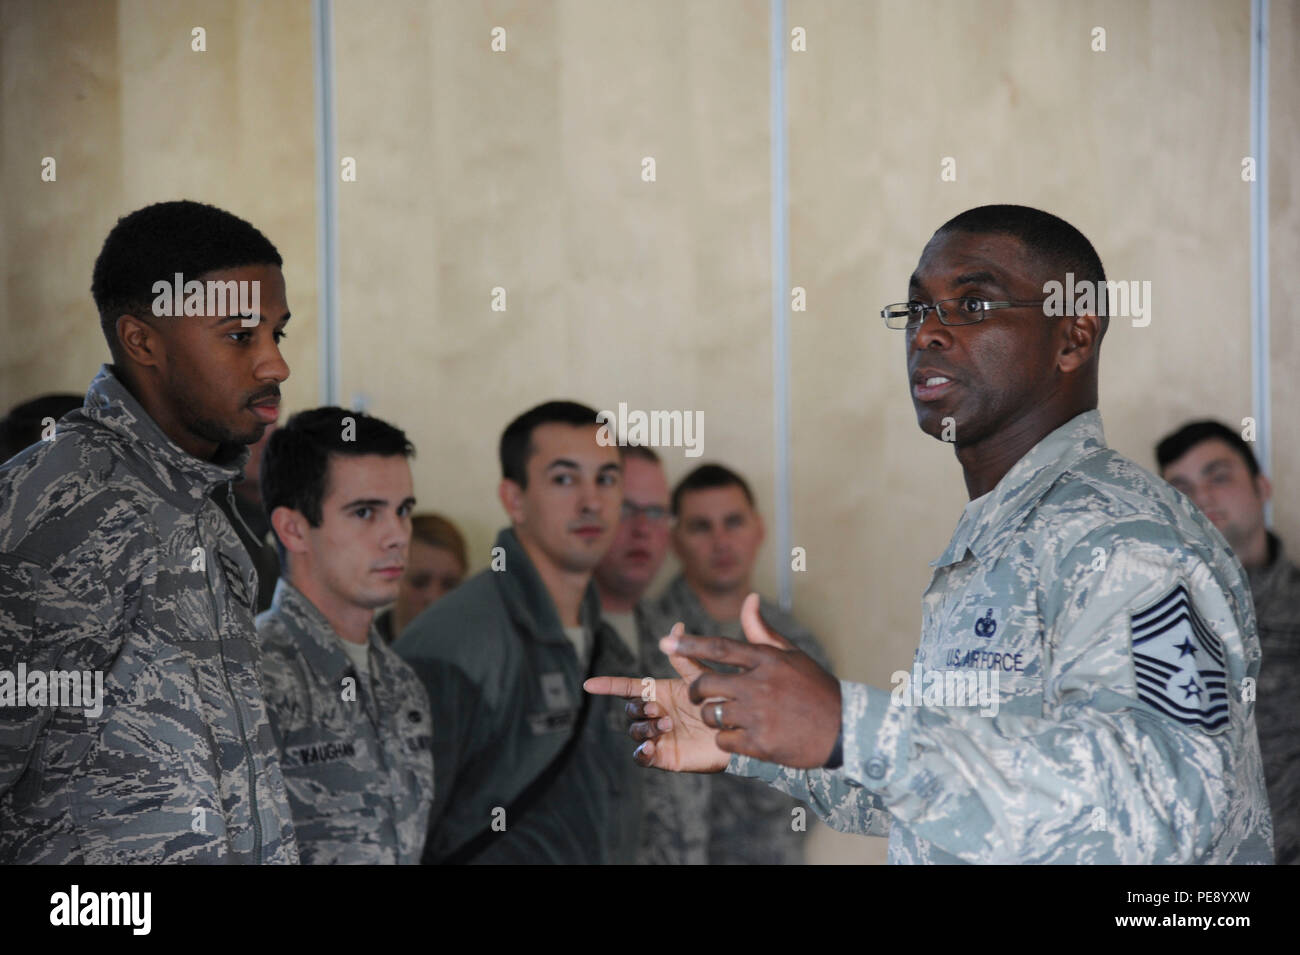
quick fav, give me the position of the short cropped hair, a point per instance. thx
(1174, 446)
(295, 464)
(1060, 246)
(516, 445)
(158, 241)
(437, 531)
(709, 476)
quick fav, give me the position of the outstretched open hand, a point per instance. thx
(782, 707)
(664, 720)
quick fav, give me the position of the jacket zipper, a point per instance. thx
(234, 509)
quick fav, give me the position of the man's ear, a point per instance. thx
(1081, 333)
(512, 499)
(674, 539)
(1263, 487)
(140, 341)
(291, 528)
(762, 528)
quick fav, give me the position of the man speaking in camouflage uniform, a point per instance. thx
(1120, 628)
(351, 717)
(114, 561)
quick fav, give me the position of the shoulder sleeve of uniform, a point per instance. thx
(70, 617)
(20, 727)
(71, 588)
(1127, 763)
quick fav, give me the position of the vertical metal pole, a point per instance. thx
(780, 306)
(327, 201)
(1261, 404)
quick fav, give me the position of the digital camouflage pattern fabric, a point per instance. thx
(1123, 636)
(716, 819)
(1276, 590)
(675, 806)
(114, 559)
(356, 749)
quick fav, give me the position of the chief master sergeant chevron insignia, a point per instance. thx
(1179, 663)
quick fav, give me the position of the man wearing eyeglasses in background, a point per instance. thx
(639, 548)
(1121, 631)
(674, 829)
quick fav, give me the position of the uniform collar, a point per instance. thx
(1263, 580)
(983, 529)
(311, 634)
(683, 600)
(174, 473)
(529, 602)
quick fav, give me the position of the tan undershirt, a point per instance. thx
(625, 625)
(359, 654)
(578, 637)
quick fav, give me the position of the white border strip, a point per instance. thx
(780, 307)
(327, 201)
(1261, 403)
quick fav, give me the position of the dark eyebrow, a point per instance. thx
(612, 465)
(982, 277)
(562, 463)
(1216, 464)
(240, 319)
(978, 277)
(365, 502)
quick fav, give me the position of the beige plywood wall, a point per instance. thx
(1284, 273)
(133, 114)
(523, 170)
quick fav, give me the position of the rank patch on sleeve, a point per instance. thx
(1179, 663)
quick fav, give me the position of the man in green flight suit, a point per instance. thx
(528, 766)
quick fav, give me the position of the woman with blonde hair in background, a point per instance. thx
(435, 565)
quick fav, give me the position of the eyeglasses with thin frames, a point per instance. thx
(967, 310)
(653, 512)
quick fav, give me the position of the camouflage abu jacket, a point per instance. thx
(355, 748)
(1276, 590)
(114, 561)
(1120, 728)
